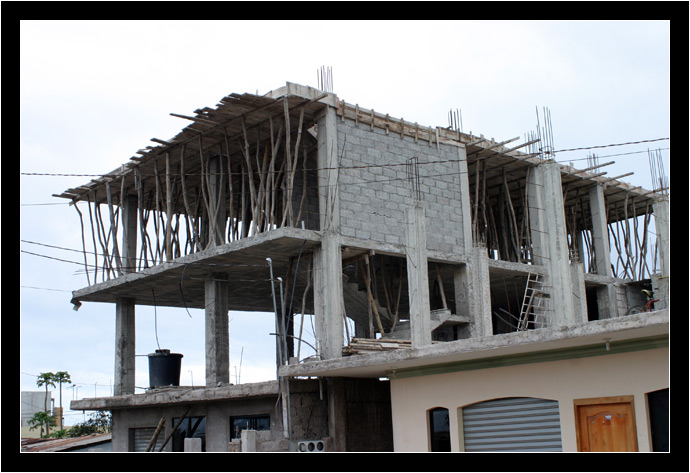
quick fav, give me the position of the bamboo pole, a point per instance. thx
(83, 243)
(93, 238)
(168, 208)
(113, 228)
(372, 302)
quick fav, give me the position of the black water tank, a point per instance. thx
(164, 368)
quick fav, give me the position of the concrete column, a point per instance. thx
(600, 235)
(217, 336)
(577, 276)
(465, 200)
(327, 162)
(662, 222)
(606, 297)
(418, 277)
(337, 418)
(124, 347)
(549, 240)
(328, 294)
(479, 293)
(129, 234)
(217, 429)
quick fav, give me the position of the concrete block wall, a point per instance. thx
(375, 191)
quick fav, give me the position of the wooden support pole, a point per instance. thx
(168, 208)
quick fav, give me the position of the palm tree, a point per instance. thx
(61, 377)
(46, 379)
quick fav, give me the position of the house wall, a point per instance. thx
(633, 373)
(217, 420)
(374, 198)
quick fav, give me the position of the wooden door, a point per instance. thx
(606, 424)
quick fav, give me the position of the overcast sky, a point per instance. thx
(92, 93)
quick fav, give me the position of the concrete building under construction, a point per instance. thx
(467, 294)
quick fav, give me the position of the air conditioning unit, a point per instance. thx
(311, 446)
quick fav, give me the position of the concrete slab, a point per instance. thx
(385, 364)
(179, 395)
(243, 260)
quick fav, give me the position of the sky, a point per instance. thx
(92, 93)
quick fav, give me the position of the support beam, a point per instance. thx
(328, 295)
(418, 277)
(217, 184)
(124, 347)
(549, 241)
(600, 239)
(479, 293)
(662, 222)
(130, 216)
(217, 336)
(327, 162)
(606, 296)
(465, 199)
(662, 208)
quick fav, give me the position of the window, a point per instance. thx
(257, 422)
(439, 430)
(191, 427)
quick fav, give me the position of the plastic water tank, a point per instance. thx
(164, 368)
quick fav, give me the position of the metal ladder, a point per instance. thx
(532, 301)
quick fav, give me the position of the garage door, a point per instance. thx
(519, 424)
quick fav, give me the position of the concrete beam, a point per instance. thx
(418, 277)
(217, 336)
(124, 347)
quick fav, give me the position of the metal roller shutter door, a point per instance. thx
(512, 424)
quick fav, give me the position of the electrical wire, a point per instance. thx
(363, 166)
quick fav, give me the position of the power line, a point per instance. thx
(610, 145)
(363, 166)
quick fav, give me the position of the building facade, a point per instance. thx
(446, 274)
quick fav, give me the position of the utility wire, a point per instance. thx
(363, 166)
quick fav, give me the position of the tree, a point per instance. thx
(61, 377)
(98, 422)
(40, 419)
(46, 379)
